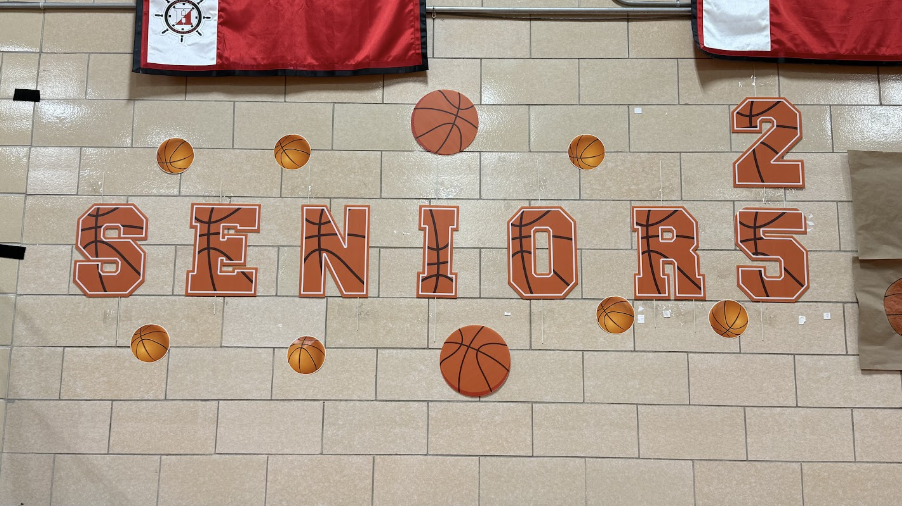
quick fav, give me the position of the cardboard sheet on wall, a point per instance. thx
(876, 186)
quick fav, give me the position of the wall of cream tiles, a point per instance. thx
(666, 414)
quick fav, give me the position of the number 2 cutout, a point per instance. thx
(762, 165)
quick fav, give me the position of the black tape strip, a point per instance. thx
(21, 95)
(14, 252)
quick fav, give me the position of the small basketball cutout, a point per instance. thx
(892, 304)
(728, 318)
(292, 152)
(615, 315)
(475, 361)
(150, 343)
(306, 355)
(174, 156)
(586, 152)
(444, 122)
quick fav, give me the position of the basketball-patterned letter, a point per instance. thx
(760, 234)
(106, 237)
(437, 279)
(762, 165)
(667, 235)
(346, 256)
(522, 273)
(220, 242)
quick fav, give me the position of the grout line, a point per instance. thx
(216, 434)
(373, 480)
(688, 382)
(109, 433)
(695, 485)
(52, 477)
(478, 480)
(532, 428)
(802, 479)
(322, 431)
(272, 378)
(266, 481)
(638, 435)
(854, 447)
(159, 478)
(745, 431)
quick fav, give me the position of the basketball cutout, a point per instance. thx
(586, 152)
(615, 315)
(150, 343)
(306, 355)
(444, 122)
(728, 318)
(475, 361)
(174, 156)
(892, 304)
(292, 152)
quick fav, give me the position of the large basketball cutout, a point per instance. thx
(292, 152)
(728, 318)
(306, 355)
(174, 156)
(586, 152)
(475, 361)
(615, 315)
(892, 304)
(444, 122)
(150, 343)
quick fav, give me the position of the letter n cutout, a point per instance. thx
(220, 241)
(95, 243)
(438, 279)
(562, 275)
(761, 235)
(667, 235)
(345, 255)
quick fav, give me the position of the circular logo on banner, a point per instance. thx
(183, 17)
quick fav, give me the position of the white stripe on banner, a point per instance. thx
(736, 25)
(182, 32)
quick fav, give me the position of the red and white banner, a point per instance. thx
(280, 37)
(831, 30)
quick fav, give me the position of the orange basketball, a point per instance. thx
(475, 361)
(174, 156)
(615, 315)
(292, 152)
(150, 343)
(728, 318)
(586, 152)
(306, 355)
(444, 122)
(892, 304)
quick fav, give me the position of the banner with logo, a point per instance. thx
(840, 31)
(280, 37)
